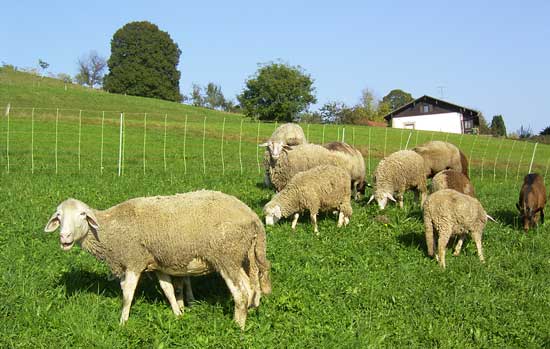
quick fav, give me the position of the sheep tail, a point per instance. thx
(491, 218)
(263, 264)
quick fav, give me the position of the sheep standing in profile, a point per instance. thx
(451, 179)
(282, 138)
(439, 156)
(322, 188)
(356, 165)
(447, 213)
(532, 199)
(397, 173)
(181, 235)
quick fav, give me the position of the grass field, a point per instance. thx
(367, 285)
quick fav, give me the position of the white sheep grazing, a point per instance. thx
(181, 235)
(439, 156)
(449, 213)
(396, 173)
(322, 188)
(282, 138)
(356, 162)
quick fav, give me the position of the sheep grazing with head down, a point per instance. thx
(322, 188)
(181, 235)
(439, 156)
(397, 173)
(356, 165)
(282, 138)
(451, 179)
(532, 199)
(447, 213)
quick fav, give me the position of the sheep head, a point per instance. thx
(381, 198)
(272, 214)
(75, 220)
(275, 148)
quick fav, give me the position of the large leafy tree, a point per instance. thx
(545, 132)
(397, 98)
(497, 126)
(144, 62)
(277, 92)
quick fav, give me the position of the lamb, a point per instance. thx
(532, 199)
(357, 165)
(396, 173)
(187, 234)
(451, 179)
(321, 188)
(282, 138)
(439, 156)
(452, 213)
(304, 157)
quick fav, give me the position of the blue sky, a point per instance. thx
(493, 56)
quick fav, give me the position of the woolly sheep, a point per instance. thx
(439, 156)
(396, 173)
(449, 213)
(304, 157)
(282, 138)
(532, 199)
(321, 188)
(187, 234)
(357, 165)
(451, 179)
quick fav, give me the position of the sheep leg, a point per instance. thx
(240, 298)
(189, 297)
(181, 283)
(442, 246)
(313, 217)
(541, 216)
(166, 284)
(128, 284)
(400, 199)
(295, 221)
(340, 219)
(458, 246)
(476, 235)
(254, 293)
(429, 234)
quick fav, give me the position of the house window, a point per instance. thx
(409, 125)
(468, 124)
(425, 108)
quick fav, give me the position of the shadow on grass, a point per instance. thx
(209, 288)
(509, 218)
(413, 239)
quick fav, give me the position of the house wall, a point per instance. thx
(444, 122)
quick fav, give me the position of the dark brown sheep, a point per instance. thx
(451, 179)
(532, 199)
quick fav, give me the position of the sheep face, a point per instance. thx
(272, 214)
(74, 220)
(382, 198)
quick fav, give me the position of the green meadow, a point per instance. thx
(369, 284)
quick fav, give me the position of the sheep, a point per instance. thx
(357, 162)
(452, 213)
(282, 138)
(396, 173)
(187, 234)
(321, 188)
(304, 157)
(451, 179)
(532, 199)
(439, 156)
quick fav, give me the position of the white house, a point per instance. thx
(432, 114)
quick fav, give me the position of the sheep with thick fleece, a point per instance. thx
(439, 156)
(187, 234)
(451, 179)
(322, 188)
(449, 213)
(282, 138)
(357, 165)
(304, 157)
(396, 173)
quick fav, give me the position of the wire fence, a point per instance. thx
(55, 140)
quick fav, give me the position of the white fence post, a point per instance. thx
(258, 142)
(240, 146)
(521, 159)
(164, 147)
(184, 143)
(323, 139)
(483, 158)
(120, 146)
(408, 139)
(221, 150)
(508, 162)
(307, 132)
(79, 136)
(385, 141)
(353, 136)
(102, 141)
(496, 159)
(144, 139)
(416, 139)
(343, 134)
(8, 139)
(32, 141)
(369, 151)
(203, 143)
(460, 142)
(472, 153)
(401, 138)
(533, 157)
(56, 123)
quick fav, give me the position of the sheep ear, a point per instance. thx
(92, 222)
(370, 200)
(52, 224)
(389, 196)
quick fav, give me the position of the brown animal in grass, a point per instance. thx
(451, 179)
(532, 199)
(439, 156)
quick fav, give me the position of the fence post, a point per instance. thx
(307, 133)
(496, 159)
(385, 141)
(221, 151)
(8, 138)
(471, 154)
(401, 138)
(369, 151)
(446, 136)
(533, 157)
(343, 134)
(32, 141)
(56, 123)
(240, 145)
(521, 159)
(79, 136)
(184, 143)
(323, 139)
(508, 162)
(102, 130)
(120, 146)
(408, 139)
(338, 134)
(123, 142)
(460, 142)
(203, 143)
(432, 137)
(353, 136)
(416, 140)
(164, 147)
(483, 158)
(144, 138)
(258, 142)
